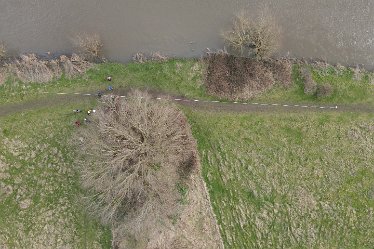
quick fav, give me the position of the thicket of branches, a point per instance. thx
(89, 46)
(249, 37)
(135, 151)
(233, 77)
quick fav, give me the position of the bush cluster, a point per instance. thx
(312, 88)
(234, 77)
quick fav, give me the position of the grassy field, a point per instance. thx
(348, 88)
(289, 180)
(40, 196)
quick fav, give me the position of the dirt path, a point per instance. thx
(55, 99)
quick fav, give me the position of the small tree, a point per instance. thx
(259, 39)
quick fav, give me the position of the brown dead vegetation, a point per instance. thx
(3, 51)
(2, 75)
(234, 77)
(310, 86)
(141, 57)
(135, 153)
(29, 68)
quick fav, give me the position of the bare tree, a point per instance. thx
(259, 38)
(134, 152)
(89, 46)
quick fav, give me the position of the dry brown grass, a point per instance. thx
(135, 151)
(74, 66)
(233, 77)
(141, 57)
(2, 51)
(89, 46)
(30, 68)
(3, 75)
(254, 38)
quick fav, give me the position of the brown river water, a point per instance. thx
(334, 30)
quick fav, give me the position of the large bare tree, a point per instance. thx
(135, 151)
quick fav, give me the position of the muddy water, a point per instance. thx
(336, 30)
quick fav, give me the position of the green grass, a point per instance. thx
(179, 77)
(289, 180)
(37, 167)
(347, 89)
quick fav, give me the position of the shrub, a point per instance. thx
(89, 46)
(259, 39)
(324, 90)
(133, 152)
(310, 86)
(233, 77)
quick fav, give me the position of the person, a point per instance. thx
(87, 121)
(109, 78)
(110, 88)
(77, 123)
(99, 94)
(89, 112)
(77, 111)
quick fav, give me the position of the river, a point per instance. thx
(334, 30)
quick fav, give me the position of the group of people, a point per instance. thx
(86, 120)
